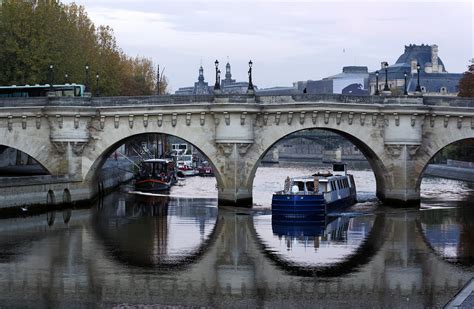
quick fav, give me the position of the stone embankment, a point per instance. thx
(49, 190)
(458, 170)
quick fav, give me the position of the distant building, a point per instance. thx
(353, 80)
(278, 91)
(228, 85)
(434, 79)
(200, 87)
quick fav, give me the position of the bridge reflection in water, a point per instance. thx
(129, 250)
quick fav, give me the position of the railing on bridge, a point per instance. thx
(239, 99)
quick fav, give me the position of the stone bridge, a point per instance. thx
(72, 137)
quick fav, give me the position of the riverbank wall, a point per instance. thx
(457, 170)
(46, 190)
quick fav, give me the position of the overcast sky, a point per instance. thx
(286, 40)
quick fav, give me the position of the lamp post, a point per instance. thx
(51, 76)
(158, 80)
(97, 84)
(250, 88)
(219, 77)
(66, 78)
(418, 88)
(385, 87)
(405, 92)
(377, 92)
(217, 86)
(87, 78)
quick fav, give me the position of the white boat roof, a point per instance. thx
(157, 161)
(320, 178)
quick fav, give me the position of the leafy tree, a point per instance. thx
(37, 33)
(466, 84)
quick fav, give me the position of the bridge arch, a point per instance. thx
(369, 148)
(36, 154)
(107, 143)
(440, 143)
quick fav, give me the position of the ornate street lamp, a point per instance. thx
(418, 88)
(97, 84)
(405, 85)
(66, 78)
(51, 76)
(87, 78)
(219, 77)
(250, 88)
(158, 80)
(385, 88)
(377, 92)
(217, 86)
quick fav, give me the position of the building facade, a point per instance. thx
(353, 80)
(433, 77)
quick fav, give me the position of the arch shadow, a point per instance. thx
(463, 261)
(161, 264)
(362, 256)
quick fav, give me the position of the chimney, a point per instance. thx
(413, 64)
(434, 58)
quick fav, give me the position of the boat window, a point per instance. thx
(300, 185)
(338, 167)
(310, 186)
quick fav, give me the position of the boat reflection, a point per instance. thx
(329, 247)
(155, 231)
(325, 230)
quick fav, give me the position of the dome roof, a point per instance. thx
(420, 53)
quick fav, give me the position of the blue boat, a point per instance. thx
(315, 196)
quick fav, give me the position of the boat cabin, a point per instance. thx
(315, 195)
(321, 182)
(156, 167)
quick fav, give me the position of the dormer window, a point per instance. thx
(423, 89)
(443, 90)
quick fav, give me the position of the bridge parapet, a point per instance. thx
(240, 99)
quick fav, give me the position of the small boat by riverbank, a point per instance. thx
(316, 195)
(205, 169)
(185, 165)
(155, 175)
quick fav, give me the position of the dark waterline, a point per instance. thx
(131, 250)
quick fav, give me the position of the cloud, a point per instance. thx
(287, 40)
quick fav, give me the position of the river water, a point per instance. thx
(131, 250)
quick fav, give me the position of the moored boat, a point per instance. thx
(315, 196)
(155, 175)
(185, 165)
(205, 169)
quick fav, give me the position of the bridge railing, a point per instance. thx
(449, 101)
(239, 99)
